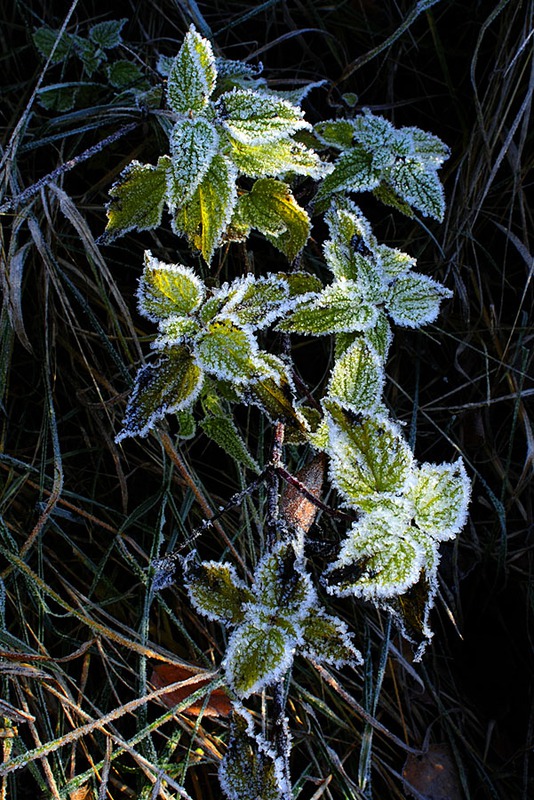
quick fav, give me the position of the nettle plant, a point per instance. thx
(237, 154)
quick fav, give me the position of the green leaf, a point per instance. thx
(194, 142)
(192, 75)
(301, 283)
(357, 378)
(394, 262)
(89, 54)
(206, 216)
(337, 133)
(419, 185)
(136, 199)
(271, 208)
(223, 431)
(413, 300)
(170, 384)
(427, 146)
(340, 308)
(380, 336)
(327, 639)
(441, 497)
(275, 395)
(249, 770)
(379, 559)
(226, 351)
(369, 457)
(258, 654)
(386, 194)
(167, 289)
(125, 75)
(277, 159)
(354, 171)
(281, 587)
(45, 38)
(259, 302)
(256, 118)
(216, 591)
(107, 35)
(59, 97)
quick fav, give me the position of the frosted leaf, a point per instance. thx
(167, 289)
(273, 392)
(256, 118)
(192, 75)
(327, 639)
(271, 208)
(226, 351)
(336, 133)
(223, 431)
(378, 559)
(216, 590)
(345, 221)
(301, 285)
(193, 142)
(377, 135)
(260, 303)
(441, 497)
(339, 308)
(249, 769)
(419, 185)
(137, 199)
(427, 146)
(354, 171)
(281, 587)
(413, 300)
(277, 159)
(107, 34)
(258, 654)
(175, 330)
(394, 262)
(205, 217)
(368, 457)
(170, 384)
(380, 336)
(357, 379)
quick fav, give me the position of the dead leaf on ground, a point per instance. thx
(218, 705)
(433, 775)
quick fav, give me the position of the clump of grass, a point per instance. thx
(81, 519)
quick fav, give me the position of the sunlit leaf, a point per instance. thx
(258, 654)
(170, 384)
(368, 455)
(256, 118)
(340, 308)
(205, 217)
(194, 143)
(166, 289)
(357, 378)
(441, 496)
(276, 159)
(354, 171)
(137, 199)
(192, 75)
(414, 299)
(216, 590)
(419, 186)
(378, 559)
(259, 303)
(226, 351)
(295, 507)
(271, 208)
